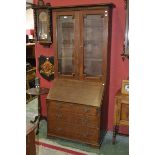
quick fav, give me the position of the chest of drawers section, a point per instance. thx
(74, 121)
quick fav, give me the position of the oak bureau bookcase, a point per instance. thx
(76, 105)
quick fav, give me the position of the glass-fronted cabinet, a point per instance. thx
(81, 36)
(93, 44)
(65, 36)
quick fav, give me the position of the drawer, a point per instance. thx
(124, 112)
(75, 132)
(71, 108)
(83, 120)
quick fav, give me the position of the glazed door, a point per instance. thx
(81, 43)
(65, 44)
(94, 44)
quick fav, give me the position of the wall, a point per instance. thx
(119, 69)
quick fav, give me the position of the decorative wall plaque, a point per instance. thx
(46, 67)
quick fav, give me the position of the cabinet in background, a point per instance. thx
(30, 54)
(30, 68)
(121, 115)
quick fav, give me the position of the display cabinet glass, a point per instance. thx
(65, 31)
(93, 45)
(81, 44)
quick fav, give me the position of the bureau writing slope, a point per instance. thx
(76, 104)
(74, 110)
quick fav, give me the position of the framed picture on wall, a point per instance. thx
(125, 87)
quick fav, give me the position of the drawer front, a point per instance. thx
(83, 120)
(124, 112)
(71, 108)
(75, 132)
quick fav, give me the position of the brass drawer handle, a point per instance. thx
(59, 129)
(73, 74)
(86, 110)
(58, 116)
(85, 134)
(84, 121)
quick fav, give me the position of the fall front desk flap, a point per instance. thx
(75, 91)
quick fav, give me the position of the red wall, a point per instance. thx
(119, 69)
(30, 32)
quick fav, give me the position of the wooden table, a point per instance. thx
(34, 91)
(121, 116)
(30, 139)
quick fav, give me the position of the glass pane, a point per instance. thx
(65, 44)
(93, 45)
(43, 24)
